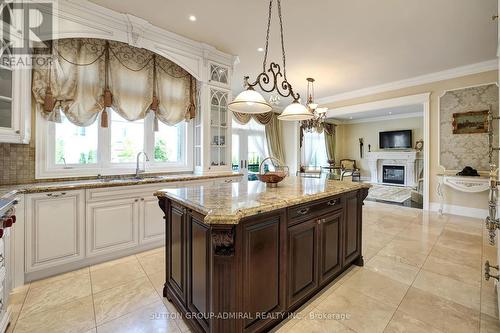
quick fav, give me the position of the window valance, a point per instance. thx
(261, 118)
(87, 76)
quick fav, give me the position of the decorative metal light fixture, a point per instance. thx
(251, 101)
(319, 114)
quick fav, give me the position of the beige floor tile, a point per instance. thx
(115, 275)
(438, 312)
(153, 263)
(183, 326)
(76, 316)
(489, 324)
(111, 263)
(450, 289)
(390, 225)
(113, 303)
(318, 322)
(405, 251)
(394, 268)
(377, 286)
(489, 300)
(421, 233)
(466, 274)
(403, 323)
(16, 301)
(365, 313)
(150, 252)
(456, 256)
(57, 278)
(461, 241)
(56, 294)
(158, 281)
(474, 228)
(151, 318)
(422, 245)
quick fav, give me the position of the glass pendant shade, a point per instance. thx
(312, 106)
(321, 110)
(296, 112)
(250, 101)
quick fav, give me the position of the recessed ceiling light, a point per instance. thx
(390, 112)
(260, 49)
(192, 18)
(350, 117)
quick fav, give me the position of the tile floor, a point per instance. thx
(423, 273)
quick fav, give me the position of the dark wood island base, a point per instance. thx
(247, 277)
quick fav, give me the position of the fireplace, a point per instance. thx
(393, 174)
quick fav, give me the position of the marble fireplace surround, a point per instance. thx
(407, 159)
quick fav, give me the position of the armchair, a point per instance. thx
(349, 168)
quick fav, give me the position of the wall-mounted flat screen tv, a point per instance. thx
(395, 140)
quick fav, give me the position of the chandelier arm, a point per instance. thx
(267, 34)
(282, 39)
(264, 79)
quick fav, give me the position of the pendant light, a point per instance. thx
(252, 102)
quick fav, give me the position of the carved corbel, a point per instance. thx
(223, 242)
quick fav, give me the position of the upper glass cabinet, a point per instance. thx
(218, 127)
(219, 74)
(6, 116)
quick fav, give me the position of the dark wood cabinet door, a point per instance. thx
(330, 243)
(176, 251)
(302, 260)
(262, 285)
(352, 229)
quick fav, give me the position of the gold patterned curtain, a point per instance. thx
(330, 142)
(274, 138)
(261, 118)
(139, 82)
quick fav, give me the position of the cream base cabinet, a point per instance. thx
(151, 223)
(55, 229)
(112, 226)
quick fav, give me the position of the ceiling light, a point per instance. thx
(350, 117)
(390, 112)
(260, 49)
(267, 80)
(319, 114)
(192, 18)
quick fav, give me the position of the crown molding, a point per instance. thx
(379, 118)
(476, 68)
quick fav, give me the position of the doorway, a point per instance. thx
(249, 148)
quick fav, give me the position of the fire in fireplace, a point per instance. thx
(393, 174)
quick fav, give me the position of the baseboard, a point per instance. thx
(459, 210)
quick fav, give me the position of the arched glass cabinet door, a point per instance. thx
(218, 127)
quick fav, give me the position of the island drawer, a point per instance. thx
(311, 209)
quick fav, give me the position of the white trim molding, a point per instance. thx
(459, 210)
(379, 118)
(452, 73)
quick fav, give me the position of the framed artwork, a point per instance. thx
(470, 122)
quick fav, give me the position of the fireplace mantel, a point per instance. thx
(378, 159)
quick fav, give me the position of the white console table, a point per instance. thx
(462, 184)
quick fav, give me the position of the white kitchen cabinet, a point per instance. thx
(15, 105)
(55, 229)
(151, 222)
(112, 225)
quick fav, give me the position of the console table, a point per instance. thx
(462, 184)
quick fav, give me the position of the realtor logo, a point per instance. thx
(26, 26)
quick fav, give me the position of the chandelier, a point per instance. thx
(270, 80)
(319, 114)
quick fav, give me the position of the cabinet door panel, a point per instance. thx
(352, 227)
(330, 246)
(302, 260)
(176, 271)
(152, 227)
(54, 229)
(261, 268)
(111, 226)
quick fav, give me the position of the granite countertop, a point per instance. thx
(10, 191)
(228, 203)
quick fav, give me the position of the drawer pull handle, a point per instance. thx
(332, 202)
(303, 211)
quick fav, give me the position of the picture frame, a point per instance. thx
(472, 122)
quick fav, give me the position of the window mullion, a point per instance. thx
(104, 145)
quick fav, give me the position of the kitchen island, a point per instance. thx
(241, 256)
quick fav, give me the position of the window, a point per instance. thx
(67, 150)
(75, 145)
(249, 144)
(314, 150)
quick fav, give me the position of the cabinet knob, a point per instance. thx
(7, 223)
(142, 199)
(136, 200)
(303, 211)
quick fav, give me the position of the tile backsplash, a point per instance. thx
(17, 163)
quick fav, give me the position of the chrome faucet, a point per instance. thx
(137, 169)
